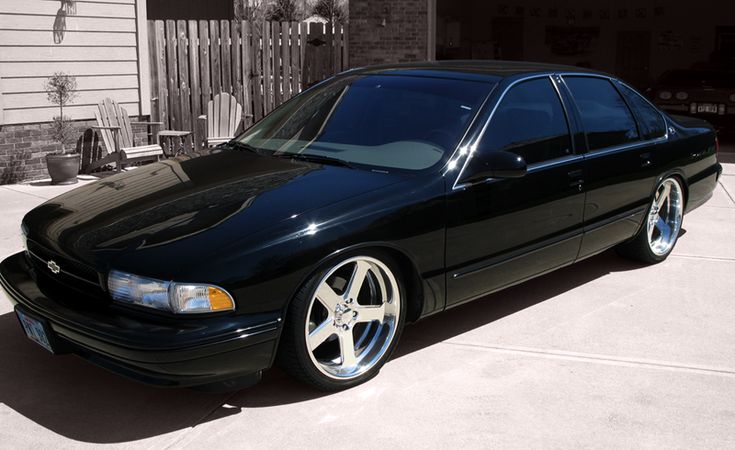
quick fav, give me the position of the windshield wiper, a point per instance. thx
(241, 146)
(316, 159)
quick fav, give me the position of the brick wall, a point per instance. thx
(23, 149)
(382, 31)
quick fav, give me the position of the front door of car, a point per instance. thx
(501, 231)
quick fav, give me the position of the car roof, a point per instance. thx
(477, 70)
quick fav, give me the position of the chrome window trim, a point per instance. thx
(473, 146)
(457, 149)
(535, 167)
(613, 80)
(652, 105)
(623, 147)
(559, 161)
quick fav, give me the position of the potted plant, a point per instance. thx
(62, 167)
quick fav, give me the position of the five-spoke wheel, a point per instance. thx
(345, 324)
(664, 217)
(659, 233)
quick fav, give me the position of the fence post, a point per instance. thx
(194, 80)
(257, 57)
(215, 57)
(174, 106)
(295, 72)
(267, 103)
(158, 54)
(184, 86)
(226, 56)
(204, 69)
(235, 55)
(247, 72)
(152, 63)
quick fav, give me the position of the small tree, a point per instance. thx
(251, 10)
(332, 10)
(282, 11)
(61, 90)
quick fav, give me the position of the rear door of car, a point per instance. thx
(620, 164)
(502, 231)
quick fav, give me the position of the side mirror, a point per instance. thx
(497, 164)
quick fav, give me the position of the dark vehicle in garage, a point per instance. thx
(379, 197)
(705, 93)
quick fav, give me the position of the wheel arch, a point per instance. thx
(679, 175)
(409, 270)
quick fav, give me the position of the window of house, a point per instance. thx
(605, 116)
(530, 121)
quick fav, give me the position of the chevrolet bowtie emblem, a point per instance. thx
(53, 267)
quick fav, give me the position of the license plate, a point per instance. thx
(707, 108)
(35, 330)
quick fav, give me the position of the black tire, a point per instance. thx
(294, 356)
(639, 248)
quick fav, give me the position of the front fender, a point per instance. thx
(264, 270)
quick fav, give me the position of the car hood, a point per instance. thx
(190, 208)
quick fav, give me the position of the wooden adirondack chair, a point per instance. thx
(222, 119)
(113, 123)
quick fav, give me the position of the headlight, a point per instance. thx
(664, 95)
(682, 95)
(732, 98)
(182, 298)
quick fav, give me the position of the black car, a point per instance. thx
(374, 199)
(705, 93)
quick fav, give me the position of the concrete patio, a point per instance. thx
(605, 353)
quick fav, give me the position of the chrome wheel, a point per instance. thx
(352, 317)
(664, 217)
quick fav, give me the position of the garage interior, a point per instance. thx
(638, 40)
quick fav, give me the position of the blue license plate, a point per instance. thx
(35, 330)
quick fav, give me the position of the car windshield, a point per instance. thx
(697, 78)
(385, 121)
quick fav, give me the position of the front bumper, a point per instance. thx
(163, 351)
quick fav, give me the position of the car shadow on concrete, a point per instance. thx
(80, 401)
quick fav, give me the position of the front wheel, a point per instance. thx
(344, 323)
(660, 231)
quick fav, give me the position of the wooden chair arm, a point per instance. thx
(97, 127)
(147, 123)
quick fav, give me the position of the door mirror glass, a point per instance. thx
(498, 164)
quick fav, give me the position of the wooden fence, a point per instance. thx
(261, 63)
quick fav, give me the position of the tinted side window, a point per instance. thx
(530, 122)
(605, 116)
(649, 118)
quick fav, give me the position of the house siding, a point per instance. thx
(104, 46)
(23, 149)
(100, 46)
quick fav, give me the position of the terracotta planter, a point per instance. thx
(63, 169)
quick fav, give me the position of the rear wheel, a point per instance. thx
(660, 231)
(344, 323)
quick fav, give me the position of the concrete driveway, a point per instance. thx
(604, 353)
